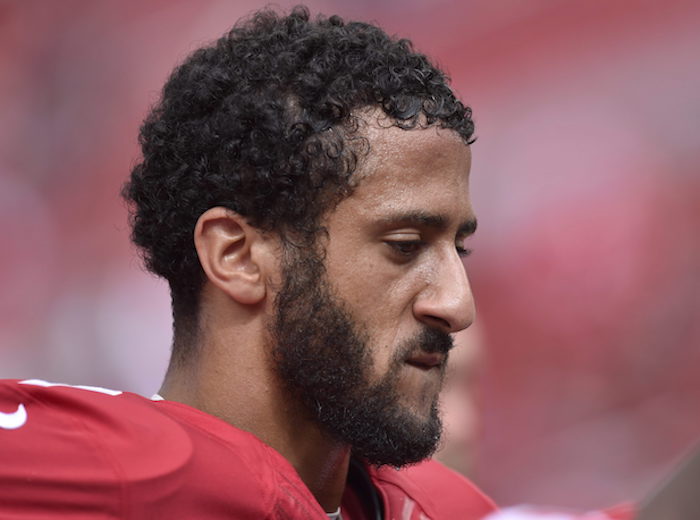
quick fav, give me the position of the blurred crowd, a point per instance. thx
(579, 387)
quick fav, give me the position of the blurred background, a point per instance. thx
(582, 378)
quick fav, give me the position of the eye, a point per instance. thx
(406, 248)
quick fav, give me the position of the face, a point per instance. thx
(362, 332)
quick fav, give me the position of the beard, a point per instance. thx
(324, 360)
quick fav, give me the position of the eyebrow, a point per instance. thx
(431, 220)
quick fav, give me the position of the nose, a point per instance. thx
(446, 302)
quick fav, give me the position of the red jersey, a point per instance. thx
(85, 452)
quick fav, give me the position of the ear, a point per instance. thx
(232, 254)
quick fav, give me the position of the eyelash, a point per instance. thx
(408, 248)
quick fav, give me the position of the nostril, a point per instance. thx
(438, 322)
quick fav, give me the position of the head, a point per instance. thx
(286, 121)
(362, 333)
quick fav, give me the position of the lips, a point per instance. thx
(426, 361)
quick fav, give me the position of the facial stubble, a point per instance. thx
(324, 359)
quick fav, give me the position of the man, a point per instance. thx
(304, 190)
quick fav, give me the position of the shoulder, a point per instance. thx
(66, 412)
(227, 458)
(70, 414)
(116, 454)
(432, 490)
(62, 446)
(104, 453)
(77, 448)
(90, 430)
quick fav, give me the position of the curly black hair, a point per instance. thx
(263, 122)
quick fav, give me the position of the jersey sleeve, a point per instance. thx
(51, 464)
(71, 452)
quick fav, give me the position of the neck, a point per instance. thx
(234, 380)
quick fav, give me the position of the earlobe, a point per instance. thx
(227, 248)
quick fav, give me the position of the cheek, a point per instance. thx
(384, 307)
(379, 296)
(376, 285)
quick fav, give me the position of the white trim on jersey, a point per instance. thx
(47, 384)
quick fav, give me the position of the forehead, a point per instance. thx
(421, 169)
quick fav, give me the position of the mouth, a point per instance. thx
(426, 361)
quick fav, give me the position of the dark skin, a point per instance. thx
(236, 256)
(397, 275)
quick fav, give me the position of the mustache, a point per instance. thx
(432, 341)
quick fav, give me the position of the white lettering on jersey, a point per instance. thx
(46, 384)
(14, 420)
